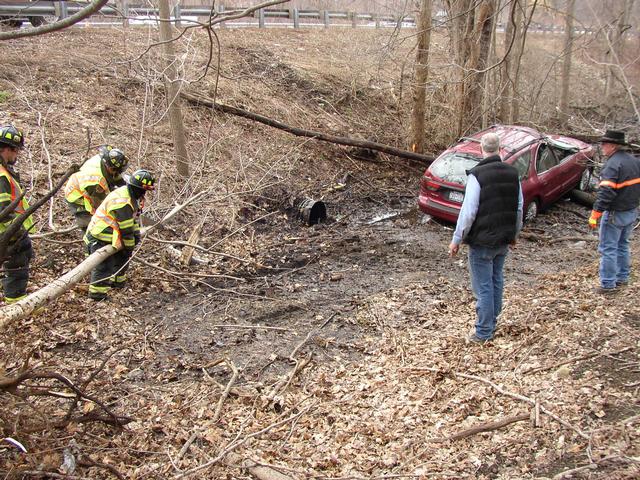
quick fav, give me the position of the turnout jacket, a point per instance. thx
(496, 221)
(115, 221)
(90, 185)
(9, 191)
(619, 188)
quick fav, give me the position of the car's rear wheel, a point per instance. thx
(585, 180)
(584, 193)
(532, 211)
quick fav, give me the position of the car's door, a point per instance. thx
(549, 174)
(569, 168)
(528, 182)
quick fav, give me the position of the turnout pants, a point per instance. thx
(81, 216)
(112, 272)
(16, 271)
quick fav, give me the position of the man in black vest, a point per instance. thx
(489, 221)
(616, 208)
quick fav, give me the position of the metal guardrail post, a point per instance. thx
(64, 12)
(377, 19)
(261, 18)
(325, 16)
(220, 10)
(354, 19)
(177, 15)
(125, 13)
(296, 18)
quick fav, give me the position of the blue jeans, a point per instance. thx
(615, 256)
(487, 282)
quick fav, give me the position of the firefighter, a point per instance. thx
(86, 189)
(116, 223)
(19, 249)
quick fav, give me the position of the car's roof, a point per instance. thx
(512, 138)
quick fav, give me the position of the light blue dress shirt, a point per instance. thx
(470, 208)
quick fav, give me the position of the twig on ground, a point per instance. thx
(501, 390)
(575, 359)
(225, 394)
(54, 232)
(253, 327)
(242, 440)
(483, 427)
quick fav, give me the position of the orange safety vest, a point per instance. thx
(90, 174)
(105, 219)
(10, 196)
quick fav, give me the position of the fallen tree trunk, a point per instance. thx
(26, 306)
(300, 132)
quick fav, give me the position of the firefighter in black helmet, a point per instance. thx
(87, 188)
(20, 251)
(116, 223)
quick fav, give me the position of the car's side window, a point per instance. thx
(522, 165)
(546, 159)
(561, 154)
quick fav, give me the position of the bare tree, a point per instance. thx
(422, 73)
(614, 52)
(470, 29)
(521, 40)
(511, 39)
(563, 106)
(172, 90)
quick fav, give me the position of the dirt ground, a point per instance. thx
(332, 351)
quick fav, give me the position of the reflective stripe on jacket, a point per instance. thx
(89, 176)
(9, 191)
(619, 188)
(115, 220)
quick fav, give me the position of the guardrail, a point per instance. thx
(294, 17)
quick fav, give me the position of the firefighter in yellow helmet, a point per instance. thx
(20, 252)
(116, 223)
(87, 188)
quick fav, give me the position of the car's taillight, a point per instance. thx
(429, 185)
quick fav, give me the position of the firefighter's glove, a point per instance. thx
(593, 219)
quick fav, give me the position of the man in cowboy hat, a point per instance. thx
(616, 208)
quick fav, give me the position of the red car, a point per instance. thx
(549, 166)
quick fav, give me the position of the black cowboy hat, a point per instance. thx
(613, 136)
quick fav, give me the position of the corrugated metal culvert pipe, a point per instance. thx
(311, 211)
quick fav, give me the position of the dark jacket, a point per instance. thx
(496, 221)
(619, 188)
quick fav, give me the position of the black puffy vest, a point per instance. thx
(496, 221)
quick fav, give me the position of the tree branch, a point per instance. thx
(199, 100)
(86, 12)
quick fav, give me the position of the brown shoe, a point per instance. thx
(473, 338)
(605, 291)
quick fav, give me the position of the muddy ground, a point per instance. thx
(331, 351)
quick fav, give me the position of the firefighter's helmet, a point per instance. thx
(11, 136)
(113, 157)
(142, 179)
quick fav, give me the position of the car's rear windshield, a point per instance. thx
(452, 167)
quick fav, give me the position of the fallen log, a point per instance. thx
(300, 132)
(483, 427)
(26, 306)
